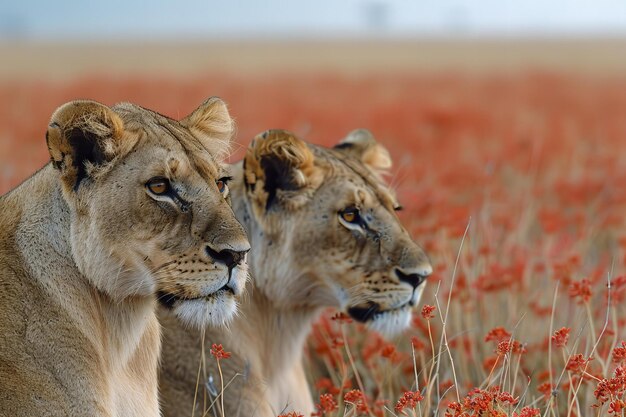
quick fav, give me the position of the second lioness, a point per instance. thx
(324, 232)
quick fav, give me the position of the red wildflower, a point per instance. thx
(504, 347)
(479, 401)
(219, 352)
(408, 400)
(581, 291)
(427, 311)
(545, 389)
(561, 336)
(455, 409)
(602, 391)
(505, 397)
(528, 412)
(353, 396)
(497, 334)
(616, 407)
(291, 414)
(327, 403)
(611, 388)
(488, 402)
(389, 351)
(619, 353)
(357, 399)
(576, 363)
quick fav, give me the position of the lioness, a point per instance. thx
(132, 205)
(324, 232)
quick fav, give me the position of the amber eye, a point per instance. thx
(221, 185)
(158, 186)
(350, 215)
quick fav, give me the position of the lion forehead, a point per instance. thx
(187, 153)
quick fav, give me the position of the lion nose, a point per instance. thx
(229, 257)
(416, 276)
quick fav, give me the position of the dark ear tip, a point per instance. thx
(343, 145)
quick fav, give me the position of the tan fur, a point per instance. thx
(85, 249)
(364, 146)
(303, 259)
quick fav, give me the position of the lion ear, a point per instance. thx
(212, 125)
(278, 168)
(82, 135)
(362, 145)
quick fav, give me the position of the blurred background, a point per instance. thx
(512, 113)
(319, 68)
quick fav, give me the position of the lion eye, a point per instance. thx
(222, 184)
(350, 215)
(158, 186)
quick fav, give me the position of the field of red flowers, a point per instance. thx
(514, 184)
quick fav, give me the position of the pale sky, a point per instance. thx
(209, 19)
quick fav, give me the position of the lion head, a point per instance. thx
(326, 232)
(149, 205)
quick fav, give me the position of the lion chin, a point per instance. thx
(389, 323)
(216, 309)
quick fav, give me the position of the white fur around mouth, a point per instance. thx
(215, 309)
(391, 322)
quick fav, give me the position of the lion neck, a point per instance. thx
(276, 331)
(42, 234)
(277, 336)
